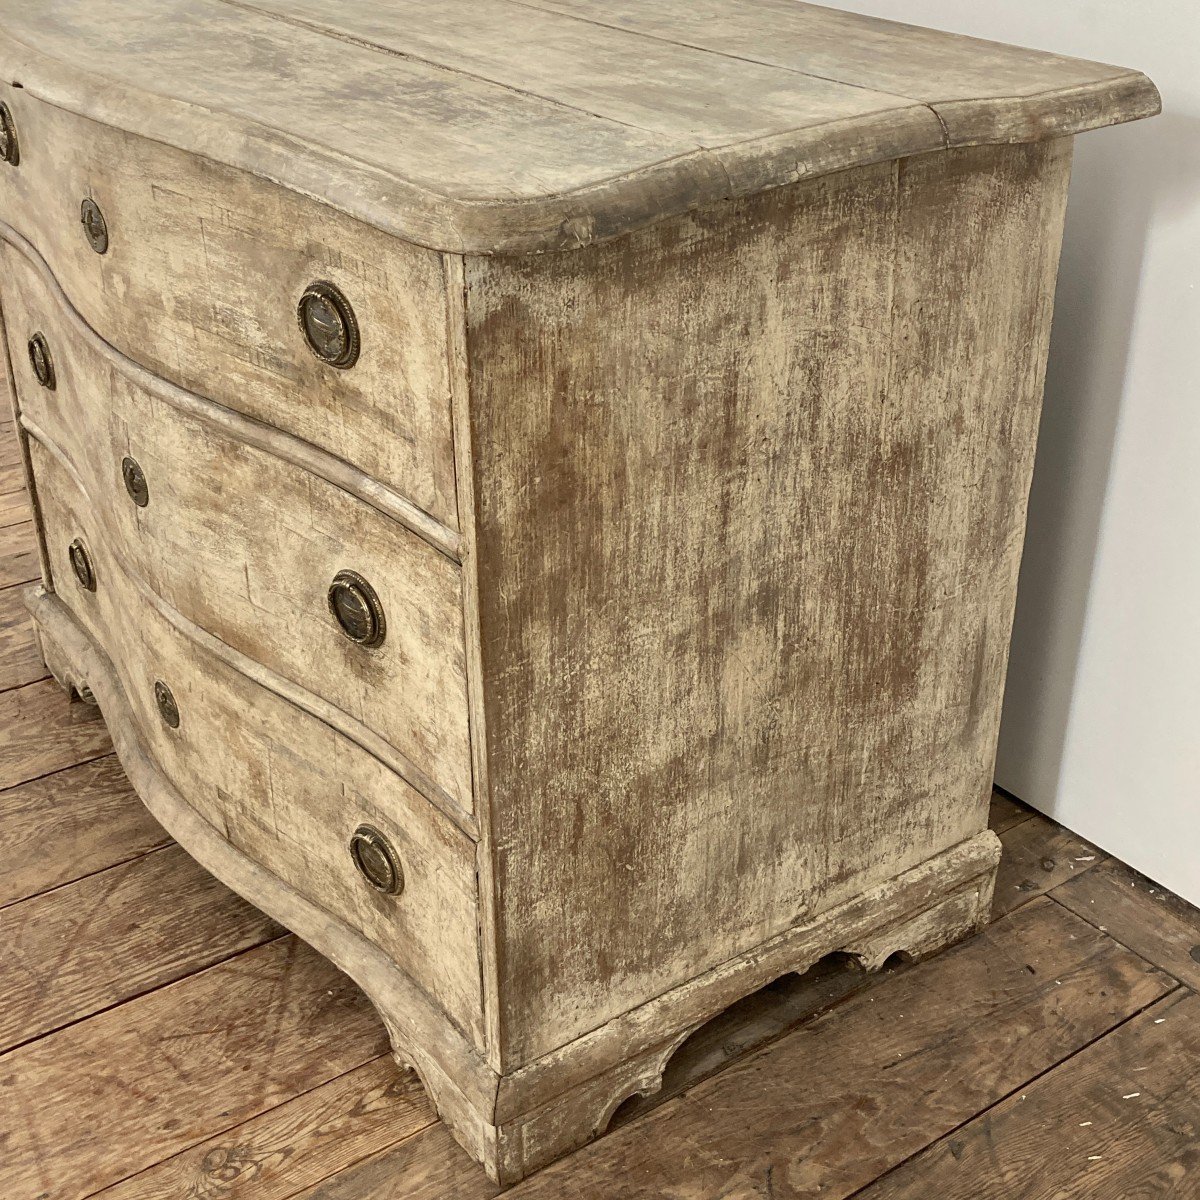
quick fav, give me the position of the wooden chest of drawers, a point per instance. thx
(536, 489)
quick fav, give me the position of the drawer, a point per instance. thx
(200, 283)
(246, 544)
(276, 782)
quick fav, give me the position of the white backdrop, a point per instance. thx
(1102, 716)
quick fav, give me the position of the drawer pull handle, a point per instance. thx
(10, 148)
(135, 482)
(167, 708)
(81, 564)
(377, 860)
(329, 324)
(94, 225)
(41, 361)
(356, 609)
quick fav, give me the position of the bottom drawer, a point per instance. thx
(276, 782)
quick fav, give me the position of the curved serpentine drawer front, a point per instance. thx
(279, 784)
(246, 544)
(196, 271)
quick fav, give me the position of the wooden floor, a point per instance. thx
(161, 1039)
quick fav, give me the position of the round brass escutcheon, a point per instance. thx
(329, 324)
(10, 148)
(377, 860)
(356, 608)
(81, 564)
(41, 362)
(135, 482)
(167, 708)
(94, 225)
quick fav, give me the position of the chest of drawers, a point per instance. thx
(536, 489)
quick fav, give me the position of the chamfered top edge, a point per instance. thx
(587, 122)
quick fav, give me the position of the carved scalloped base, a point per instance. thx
(514, 1123)
(577, 1115)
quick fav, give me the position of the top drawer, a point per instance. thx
(200, 282)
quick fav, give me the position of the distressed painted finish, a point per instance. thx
(790, 489)
(280, 785)
(244, 543)
(688, 451)
(200, 284)
(516, 127)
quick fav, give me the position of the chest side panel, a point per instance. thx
(750, 494)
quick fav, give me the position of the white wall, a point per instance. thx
(1102, 716)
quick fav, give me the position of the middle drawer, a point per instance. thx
(246, 545)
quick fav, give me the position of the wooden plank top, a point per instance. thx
(507, 126)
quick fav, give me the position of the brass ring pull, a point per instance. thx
(164, 699)
(356, 609)
(135, 481)
(42, 362)
(377, 860)
(81, 564)
(10, 147)
(94, 225)
(329, 324)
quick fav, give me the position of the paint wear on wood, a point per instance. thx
(671, 402)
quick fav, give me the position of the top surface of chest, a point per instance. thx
(509, 126)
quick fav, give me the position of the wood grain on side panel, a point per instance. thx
(750, 490)
(276, 782)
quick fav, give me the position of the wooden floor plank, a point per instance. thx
(41, 731)
(12, 471)
(104, 1099)
(1005, 812)
(1038, 856)
(829, 1107)
(114, 935)
(1151, 921)
(287, 1149)
(20, 658)
(433, 1164)
(10, 451)
(1119, 1120)
(18, 554)
(14, 506)
(97, 820)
